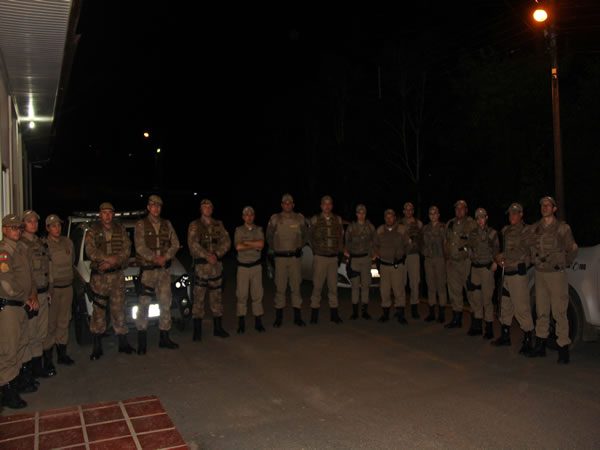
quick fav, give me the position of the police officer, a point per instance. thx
(108, 246)
(17, 289)
(413, 257)
(360, 237)
(156, 244)
(554, 250)
(286, 235)
(38, 325)
(249, 241)
(326, 237)
(62, 258)
(483, 246)
(208, 242)
(457, 259)
(514, 258)
(391, 244)
(435, 264)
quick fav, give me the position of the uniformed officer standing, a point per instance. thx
(515, 256)
(17, 289)
(435, 264)
(483, 246)
(156, 244)
(391, 244)
(457, 262)
(554, 250)
(62, 258)
(108, 246)
(413, 256)
(38, 325)
(286, 235)
(327, 240)
(360, 237)
(249, 241)
(208, 242)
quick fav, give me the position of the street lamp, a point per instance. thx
(541, 16)
(146, 134)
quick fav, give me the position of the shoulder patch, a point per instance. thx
(4, 256)
(4, 267)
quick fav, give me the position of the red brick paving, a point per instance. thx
(139, 424)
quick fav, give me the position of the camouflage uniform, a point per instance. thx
(391, 244)
(554, 250)
(413, 257)
(249, 271)
(110, 284)
(359, 244)
(208, 236)
(326, 238)
(16, 287)
(155, 238)
(435, 263)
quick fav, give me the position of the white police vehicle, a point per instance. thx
(78, 226)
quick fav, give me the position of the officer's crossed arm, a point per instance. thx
(196, 250)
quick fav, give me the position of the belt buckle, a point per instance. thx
(395, 266)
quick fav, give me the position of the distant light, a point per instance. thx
(31, 125)
(195, 193)
(141, 195)
(540, 15)
(130, 155)
(146, 134)
(158, 150)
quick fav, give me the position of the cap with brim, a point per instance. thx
(434, 209)
(514, 207)
(28, 214)
(409, 205)
(53, 218)
(107, 205)
(548, 198)
(287, 198)
(361, 208)
(459, 203)
(389, 211)
(247, 210)
(326, 198)
(11, 220)
(206, 201)
(155, 199)
(480, 212)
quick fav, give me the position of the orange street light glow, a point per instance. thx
(540, 15)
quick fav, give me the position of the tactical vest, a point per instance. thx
(159, 243)
(457, 237)
(433, 240)
(361, 238)
(550, 251)
(392, 243)
(62, 261)
(209, 236)
(516, 250)
(414, 233)
(288, 232)
(326, 235)
(40, 261)
(482, 245)
(117, 238)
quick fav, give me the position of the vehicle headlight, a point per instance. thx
(129, 278)
(153, 311)
(182, 282)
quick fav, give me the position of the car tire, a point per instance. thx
(575, 317)
(81, 321)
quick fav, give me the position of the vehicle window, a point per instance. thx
(77, 237)
(130, 233)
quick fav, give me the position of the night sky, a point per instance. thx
(247, 103)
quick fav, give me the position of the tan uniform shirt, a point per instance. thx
(16, 274)
(38, 251)
(554, 247)
(415, 234)
(140, 242)
(360, 238)
(62, 258)
(287, 232)
(391, 243)
(433, 240)
(245, 233)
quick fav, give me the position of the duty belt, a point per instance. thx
(42, 290)
(5, 302)
(358, 255)
(97, 272)
(289, 254)
(481, 265)
(396, 262)
(94, 297)
(203, 260)
(62, 286)
(154, 266)
(520, 270)
(252, 264)
(327, 255)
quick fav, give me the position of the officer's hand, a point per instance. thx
(494, 266)
(212, 259)
(346, 253)
(160, 260)
(111, 260)
(500, 259)
(33, 303)
(104, 265)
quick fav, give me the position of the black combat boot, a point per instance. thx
(63, 358)
(10, 396)
(442, 314)
(400, 315)
(24, 382)
(456, 321)
(47, 358)
(241, 329)
(298, 318)
(142, 336)
(431, 316)
(96, 347)
(165, 341)
(385, 317)
(526, 345)
(314, 315)
(39, 370)
(124, 346)
(563, 355)
(354, 315)
(414, 311)
(335, 317)
(365, 312)
(197, 330)
(278, 317)
(539, 348)
(504, 339)
(258, 326)
(218, 328)
(489, 330)
(476, 327)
